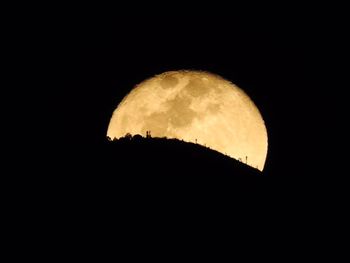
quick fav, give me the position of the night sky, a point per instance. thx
(277, 65)
(277, 61)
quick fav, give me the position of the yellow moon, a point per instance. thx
(197, 107)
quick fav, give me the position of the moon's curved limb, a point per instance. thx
(197, 107)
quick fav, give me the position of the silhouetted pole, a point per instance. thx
(246, 159)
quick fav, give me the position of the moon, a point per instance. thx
(198, 107)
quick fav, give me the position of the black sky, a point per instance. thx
(100, 60)
(92, 62)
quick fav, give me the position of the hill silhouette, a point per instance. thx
(142, 168)
(173, 157)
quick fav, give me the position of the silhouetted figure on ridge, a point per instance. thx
(148, 134)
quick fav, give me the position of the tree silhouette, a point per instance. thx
(128, 136)
(137, 137)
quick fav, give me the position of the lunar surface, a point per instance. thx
(197, 107)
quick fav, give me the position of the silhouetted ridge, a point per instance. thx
(134, 169)
(172, 163)
(177, 152)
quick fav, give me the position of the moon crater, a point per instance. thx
(169, 82)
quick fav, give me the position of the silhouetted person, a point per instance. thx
(148, 134)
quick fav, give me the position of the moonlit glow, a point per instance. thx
(197, 107)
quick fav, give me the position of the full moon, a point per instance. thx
(197, 107)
